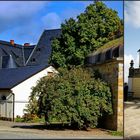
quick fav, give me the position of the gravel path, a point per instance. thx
(14, 130)
(132, 120)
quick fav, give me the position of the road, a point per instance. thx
(20, 135)
(132, 119)
(13, 130)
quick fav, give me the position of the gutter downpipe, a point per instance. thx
(13, 105)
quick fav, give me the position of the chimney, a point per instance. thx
(26, 44)
(12, 42)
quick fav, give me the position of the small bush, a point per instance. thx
(31, 118)
(19, 119)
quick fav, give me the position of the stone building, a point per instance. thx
(134, 80)
(108, 60)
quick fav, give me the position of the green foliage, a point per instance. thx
(116, 133)
(19, 119)
(93, 28)
(73, 97)
(30, 118)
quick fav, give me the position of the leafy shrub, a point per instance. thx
(19, 119)
(73, 97)
(31, 118)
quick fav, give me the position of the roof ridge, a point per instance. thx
(52, 29)
(34, 49)
(7, 42)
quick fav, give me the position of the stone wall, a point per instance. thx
(112, 73)
(134, 87)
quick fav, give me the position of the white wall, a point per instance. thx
(23, 90)
(6, 106)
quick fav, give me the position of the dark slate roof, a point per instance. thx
(12, 77)
(27, 52)
(8, 62)
(43, 49)
(30, 55)
(24, 61)
(6, 49)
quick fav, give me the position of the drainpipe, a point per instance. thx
(13, 105)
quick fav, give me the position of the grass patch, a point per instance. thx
(110, 44)
(18, 119)
(30, 120)
(116, 133)
(113, 43)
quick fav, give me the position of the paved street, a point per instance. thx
(13, 135)
(10, 130)
(19, 135)
(132, 120)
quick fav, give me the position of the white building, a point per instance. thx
(15, 88)
(21, 66)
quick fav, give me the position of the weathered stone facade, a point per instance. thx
(108, 60)
(134, 81)
(112, 73)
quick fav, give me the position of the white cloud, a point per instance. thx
(132, 13)
(127, 60)
(26, 20)
(18, 13)
(14, 9)
(19, 20)
(51, 21)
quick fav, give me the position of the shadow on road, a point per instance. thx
(40, 127)
(48, 127)
(132, 103)
(132, 138)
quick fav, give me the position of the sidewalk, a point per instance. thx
(132, 119)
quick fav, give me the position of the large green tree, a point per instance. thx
(73, 97)
(90, 30)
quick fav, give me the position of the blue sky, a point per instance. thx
(24, 21)
(132, 34)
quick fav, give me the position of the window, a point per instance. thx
(38, 49)
(108, 55)
(3, 97)
(116, 52)
(99, 57)
(33, 60)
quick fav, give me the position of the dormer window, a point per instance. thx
(38, 49)
(33, 60)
